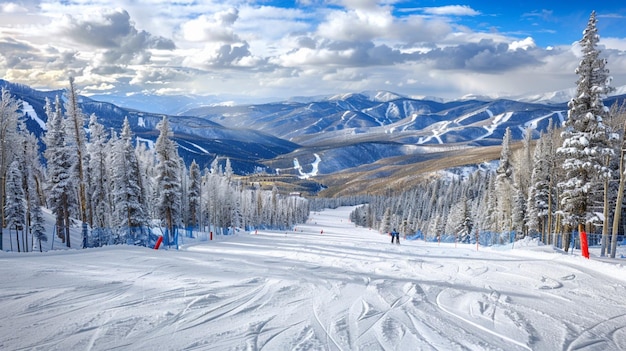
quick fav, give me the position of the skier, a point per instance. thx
(396, 235)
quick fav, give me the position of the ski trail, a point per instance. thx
(487, 330)
(601, 336)
(326, 331)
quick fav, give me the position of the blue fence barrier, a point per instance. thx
(486, 238)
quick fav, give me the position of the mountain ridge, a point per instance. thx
(317, 138)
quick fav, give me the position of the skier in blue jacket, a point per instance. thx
(396, 235)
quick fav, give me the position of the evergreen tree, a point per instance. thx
(504, 185)
(9, 116)
(195, 182)
(59, 166)
(519, 213)
(459, 221)
(538, 191)
(147, 165)
(128, 195)
(99, 166)
(168, 177)
(37, 223)
(385, 224)
(14, 208)
(585, 145)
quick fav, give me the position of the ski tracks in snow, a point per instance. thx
(345, 289)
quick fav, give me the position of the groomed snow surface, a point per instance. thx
(347, 288)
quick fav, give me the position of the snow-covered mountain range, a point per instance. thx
(310, 137)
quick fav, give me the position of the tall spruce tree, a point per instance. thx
(59, 166)
(505, 186)
(9, 116)
(128, 194)
(99, 168)
(14, 208)
(539, 190)
(37, 223)
(585, 142)
(168, 177)
(195, 182)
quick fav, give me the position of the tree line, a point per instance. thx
(114, 188)
(570, 179)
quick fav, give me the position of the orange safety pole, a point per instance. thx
(584, 245)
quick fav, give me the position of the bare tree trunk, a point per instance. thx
(605, 213)
(618, 201)
(66, 221)
(550, 229)
(17, 238)
(3, 146)
(169, 223)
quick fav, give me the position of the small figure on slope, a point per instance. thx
(396, 235)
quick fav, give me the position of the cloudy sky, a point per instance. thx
(278, 49)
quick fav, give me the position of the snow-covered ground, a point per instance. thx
(347, 288)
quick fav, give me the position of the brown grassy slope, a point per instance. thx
(393, 175)
(387, 176)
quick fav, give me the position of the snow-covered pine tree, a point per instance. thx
(37, 223)
(538, 191)
(128, 195)
(195, 182)
(385, 223)
(505, 189)
(228, 169)
(99, 186)
(524, 159)
(9, 115)
(14, 208)
(522, 176)
(168, 177)
(59, 166)
(519, 213)
(147, 165)
(490, 213)
(585, 144)
(407, 227)
(459, 221)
